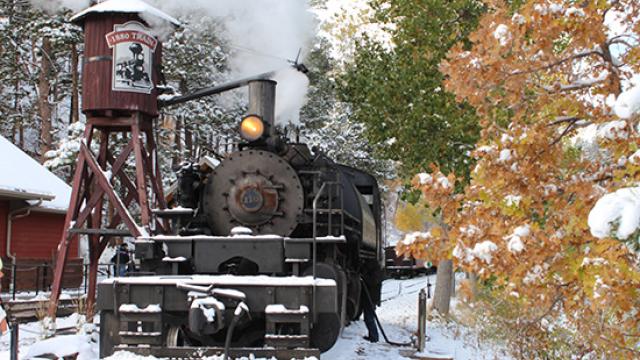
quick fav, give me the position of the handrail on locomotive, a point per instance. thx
(314, 260)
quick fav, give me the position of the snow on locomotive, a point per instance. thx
(266, 253)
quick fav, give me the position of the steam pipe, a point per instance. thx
(262, 102)
(213, 90)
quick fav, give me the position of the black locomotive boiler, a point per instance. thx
(265, 256)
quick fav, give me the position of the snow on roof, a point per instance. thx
(125, 6)
(25, 178)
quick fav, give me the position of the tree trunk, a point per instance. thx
(188, 137)
(17, 122)
(177, 154)
(473, 282)
(21, 133)
(444, 285)
(75, 93)
(188, 141)
(44, 87)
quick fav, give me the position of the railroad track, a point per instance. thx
(406, 287)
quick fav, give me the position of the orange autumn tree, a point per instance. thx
(550, 80)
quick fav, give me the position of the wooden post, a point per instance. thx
(15, 333)
(422, 319)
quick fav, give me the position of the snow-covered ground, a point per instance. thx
(31, 340)
(398, 315)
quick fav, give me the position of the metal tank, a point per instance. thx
(122, 61)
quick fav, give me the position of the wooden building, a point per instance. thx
(33, 204)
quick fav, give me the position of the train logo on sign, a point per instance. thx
(133, 48)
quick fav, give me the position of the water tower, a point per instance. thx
(121, 68)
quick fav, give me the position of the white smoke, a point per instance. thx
(263, 34)
(51, 6)
(290, 94)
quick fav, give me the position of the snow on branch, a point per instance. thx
(577, 85)
(616, 214)
(628, 103)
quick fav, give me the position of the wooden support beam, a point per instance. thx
(101, 232)
(140, 173)
(103, 182)
(111, 122)
(155, 169)
(91, 187)
(96, 222)
(63, 246)
(146, 160)
(116, 168)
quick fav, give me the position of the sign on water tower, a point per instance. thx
(133, 54)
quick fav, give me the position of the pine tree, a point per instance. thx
(35, 91)
(399, 93)
(327, 123)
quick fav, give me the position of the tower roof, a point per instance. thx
(126, 6)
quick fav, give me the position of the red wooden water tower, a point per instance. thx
(122, 59)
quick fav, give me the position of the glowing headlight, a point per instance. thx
(252, 128)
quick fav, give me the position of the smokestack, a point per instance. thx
(262, 102)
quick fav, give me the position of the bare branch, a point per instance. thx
(578, 85)
(564, 132)
(559, 62)
(563, 119)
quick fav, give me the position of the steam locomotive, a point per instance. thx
(265, 256)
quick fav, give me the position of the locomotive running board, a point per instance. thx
(200, 352)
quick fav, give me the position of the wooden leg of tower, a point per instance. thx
(63, 247)
(141, 180)
(153, 170)
(94, 206)
(155, 166)
(94, 259)
(61, 260)
(146, 160)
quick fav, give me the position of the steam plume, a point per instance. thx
(263, 34)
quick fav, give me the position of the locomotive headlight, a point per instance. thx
(252, 128)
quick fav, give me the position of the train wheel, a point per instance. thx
(175, 337)
(109, 329)
(325, 331)
(333, 272)
(353, 297)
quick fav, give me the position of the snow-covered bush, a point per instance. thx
(67, 151)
